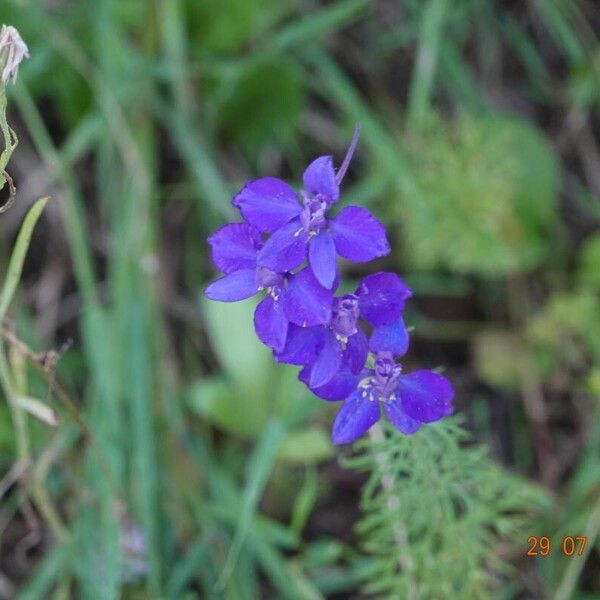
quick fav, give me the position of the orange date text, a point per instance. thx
(541, 545)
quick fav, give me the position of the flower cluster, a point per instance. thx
(286, 249)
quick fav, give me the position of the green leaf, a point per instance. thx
(15, 266)
(305, 502)
(224, 27)
(40, 582)
(498, 358)
(567, 319)
(259, 468)
(7, 433)
(222, 404)
(589, 263)
(328, 19)
(262, 105)
(306, 446)
(243, 358)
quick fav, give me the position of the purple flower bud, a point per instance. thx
(345, 315)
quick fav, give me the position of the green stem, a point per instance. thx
(17, 416)
(405, 560)
(12, 388)
(576, 564)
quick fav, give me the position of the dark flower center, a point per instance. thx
(344, 318)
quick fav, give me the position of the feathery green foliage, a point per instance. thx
(439, 514)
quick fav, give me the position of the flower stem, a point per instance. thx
(377, 436)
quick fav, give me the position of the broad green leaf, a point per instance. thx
(262, 105)
(310, 445)
(243, 358)
(224, 27)
(222, 404)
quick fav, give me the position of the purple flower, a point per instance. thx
(287, 247)
(303, 230)
(297, 298)
(379, 300)
(408, 400)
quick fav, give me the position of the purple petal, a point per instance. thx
(285, 249)
(267, 203)
(238, 285)
(356, 416)
(270, 324)
(327, 363)
(234, 247)
(321, 257)
(399, 418)
(340, 386)
(426, 396)
(390, 338)
(356, 351)
(305, 301)
(358, 235)
(382, 297)
(302, 345)
(319, 178)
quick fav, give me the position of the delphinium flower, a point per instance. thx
(409, 400)
(296, 298)
(301, 231)
(379, 300)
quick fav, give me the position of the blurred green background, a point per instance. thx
(184, 463)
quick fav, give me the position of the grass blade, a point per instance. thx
(259, 468)
(15, 266)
